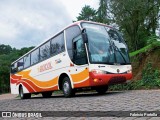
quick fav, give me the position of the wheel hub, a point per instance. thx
(66, 87)
(21, 92)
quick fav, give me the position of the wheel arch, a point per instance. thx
(25, 90)
(60, 79)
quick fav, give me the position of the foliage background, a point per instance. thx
(7, 56)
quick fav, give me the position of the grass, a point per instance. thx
(145, 49)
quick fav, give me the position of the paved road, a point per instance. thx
(137, 100)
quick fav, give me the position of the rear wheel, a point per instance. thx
(101, 89)
(47, 94)
(67, 89)
(24, 95)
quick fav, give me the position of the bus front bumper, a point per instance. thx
(108, 79)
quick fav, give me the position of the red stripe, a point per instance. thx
(27, 87)
(16, 77)
(36, 88)
(13, 81)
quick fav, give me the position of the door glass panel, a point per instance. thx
(80, 57)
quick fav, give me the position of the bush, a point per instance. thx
(150, 80)
(151, 39)
(132, 85)
(150, 76)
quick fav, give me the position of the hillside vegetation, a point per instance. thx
(145, 67)
(7, 56)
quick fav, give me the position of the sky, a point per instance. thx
(25, 23)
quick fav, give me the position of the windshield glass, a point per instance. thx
(105, 45)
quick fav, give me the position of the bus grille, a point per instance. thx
(117, 80)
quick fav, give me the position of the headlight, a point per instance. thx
(98, 72)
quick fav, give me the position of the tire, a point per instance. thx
(101, 89)
(24, 95)
(66, 88)
(47, 94)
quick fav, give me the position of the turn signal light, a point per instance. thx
(95, 80)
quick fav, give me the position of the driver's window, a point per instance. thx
(79, 57)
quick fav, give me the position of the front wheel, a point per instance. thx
(101, 89)
(67, 89)
(24, 95)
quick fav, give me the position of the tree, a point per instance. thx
(102, 12)
(87, 13)
(24, 50)
(137, 19)
(5, 49)
(7, 56)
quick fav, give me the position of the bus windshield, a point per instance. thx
(105, 45)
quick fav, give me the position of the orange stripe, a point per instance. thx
(25, 74)
(82, 84)
(80, 76)
(34, 82)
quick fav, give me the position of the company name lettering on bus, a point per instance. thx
(58, 61)
(45, 67)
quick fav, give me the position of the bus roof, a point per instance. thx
(75, 23)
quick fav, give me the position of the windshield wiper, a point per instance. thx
(116, 48)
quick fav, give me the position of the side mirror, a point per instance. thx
(84, 36)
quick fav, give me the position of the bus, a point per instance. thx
(83, 55)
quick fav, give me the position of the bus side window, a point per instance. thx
(20, 64)
(35, 56)
(57, 44)
(27, 61)
(71, 33)
(79, 56)
(14, 68)
(45, 51)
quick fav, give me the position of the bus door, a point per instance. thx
(80, 59)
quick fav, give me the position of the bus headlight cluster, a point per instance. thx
(98, 72)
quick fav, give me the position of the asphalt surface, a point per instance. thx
(137, 100)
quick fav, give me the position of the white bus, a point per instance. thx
(83, 55)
